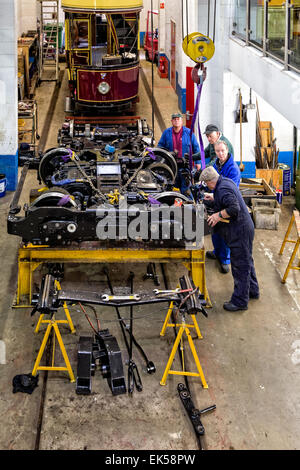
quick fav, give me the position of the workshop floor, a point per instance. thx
(251, 359)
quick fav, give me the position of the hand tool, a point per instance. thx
(172, 291)
(107, 297)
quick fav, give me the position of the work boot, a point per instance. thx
(233, 308)
(210, 255)
(224, 268)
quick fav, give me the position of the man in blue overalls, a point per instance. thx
(225, 166)
(177, 139)
(227, 203)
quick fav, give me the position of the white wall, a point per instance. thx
(27, 13)
(213, 109)
(281, 89)
(8, 94)
(8, 79)
(143, 14)
(231, 129)
(173, 12)
(235, 65)
(283, 129)
(26, 16)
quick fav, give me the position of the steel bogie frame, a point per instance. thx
(102, 55)
(115, 183)
(47, 223)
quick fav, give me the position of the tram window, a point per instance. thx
(80, 34)
(101, 30)
(126, 29)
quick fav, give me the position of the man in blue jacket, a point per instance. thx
(227, 202)
(225, 166)
(177, 139)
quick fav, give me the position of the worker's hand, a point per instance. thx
(208, 196)
(213, 219)
(198, 167)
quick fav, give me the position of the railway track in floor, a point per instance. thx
(49, 356)
(45, 130)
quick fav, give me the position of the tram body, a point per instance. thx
(102, 53)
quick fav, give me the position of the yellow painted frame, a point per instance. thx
(88, 20)
(295, 219)
(102, 4)
(31, 257)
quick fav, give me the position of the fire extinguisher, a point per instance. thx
(161, 65)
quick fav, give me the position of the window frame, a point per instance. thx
(264, 49)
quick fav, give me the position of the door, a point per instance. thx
(173, 54)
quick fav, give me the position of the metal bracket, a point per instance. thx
(105, 349)
(151, 274)
(84, 365)
(193, 413)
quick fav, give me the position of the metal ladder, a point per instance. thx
(49, 41)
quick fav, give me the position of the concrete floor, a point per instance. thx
(250, 359)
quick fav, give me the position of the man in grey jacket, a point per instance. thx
(213, 135)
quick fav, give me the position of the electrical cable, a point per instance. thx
(88, 319)
(214, 32)
(208, 17)
(182, 28)
(187, 19)
(186, 22)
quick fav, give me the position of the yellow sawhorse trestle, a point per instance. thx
(183, 328)
(295, 219)
(53, 327)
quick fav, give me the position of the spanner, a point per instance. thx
(173, 291)
(107, 297)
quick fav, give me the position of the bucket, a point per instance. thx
(3, 182)
(286, 179)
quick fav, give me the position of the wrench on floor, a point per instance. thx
(107, 298)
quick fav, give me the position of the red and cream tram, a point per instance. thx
(102, 53)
